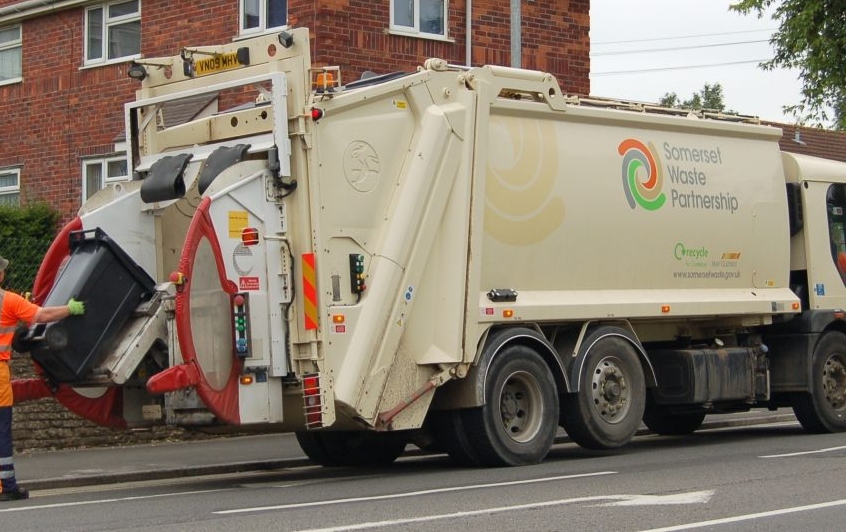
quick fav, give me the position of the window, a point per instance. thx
(260, 15)
(10, 186)
(419, 16)
(96, 173)
(112, 32)
(10, 54)
(836, 207)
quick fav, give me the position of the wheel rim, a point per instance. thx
(834, 381)
(520, 407)
(611, 395)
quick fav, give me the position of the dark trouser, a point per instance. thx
(7, 465)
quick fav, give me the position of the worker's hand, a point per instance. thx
(76, 308)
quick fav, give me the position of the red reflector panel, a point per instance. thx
(312, 401)
(249, 236)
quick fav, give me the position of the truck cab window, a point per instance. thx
(836, 209)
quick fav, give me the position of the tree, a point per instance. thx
(811, 38)
(710, 97)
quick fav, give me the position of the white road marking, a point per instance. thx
(105, 501)
(828, 450)
(749, 517)
(680, 499)
(694, 497)
(410, 493)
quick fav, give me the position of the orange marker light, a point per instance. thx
(796, 306)
(665, 309)
(338, 318)
(507, 313)
(246, 379)
(325, 79)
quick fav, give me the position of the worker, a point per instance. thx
(14, 309)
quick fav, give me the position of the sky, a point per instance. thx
(686, 35)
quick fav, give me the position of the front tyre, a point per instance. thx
(606, 411)
(517, 423)
(824, 408)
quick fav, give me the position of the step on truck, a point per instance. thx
(463, 258)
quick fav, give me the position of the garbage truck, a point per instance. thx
(466, 259)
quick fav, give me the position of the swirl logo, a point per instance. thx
(522, 207)
(642, 178)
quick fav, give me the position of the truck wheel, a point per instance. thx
(452, 436)
(606, 411)
(517, 423)
(352, 448)
(824, 408)
(672, 423)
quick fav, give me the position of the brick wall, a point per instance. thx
(353, 35)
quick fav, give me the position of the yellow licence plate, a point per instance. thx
(218, 63)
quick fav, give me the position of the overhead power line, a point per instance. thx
(675, 48)
(684, 67)
(653, 39)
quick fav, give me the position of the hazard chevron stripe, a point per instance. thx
(310, 292)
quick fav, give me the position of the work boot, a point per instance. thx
(16, 494)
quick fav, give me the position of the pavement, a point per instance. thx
(156, 461)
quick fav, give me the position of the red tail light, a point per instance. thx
(313, 401)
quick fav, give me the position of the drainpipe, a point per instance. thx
(468, 32)
(516, 35)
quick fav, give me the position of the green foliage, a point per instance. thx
(811, 38)
(710, 98)
(32, 221)
(25, 234)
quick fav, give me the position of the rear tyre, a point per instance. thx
(352, 448)
(517, 423)
(672, 423)
(451, 436)
(824, 408)
(606, 411)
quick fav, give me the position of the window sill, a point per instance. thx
(255, 32)
(11, 81)
(419, 35)
(110, 62)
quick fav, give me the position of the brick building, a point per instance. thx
(63, 64)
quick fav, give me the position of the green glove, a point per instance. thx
(76, 308)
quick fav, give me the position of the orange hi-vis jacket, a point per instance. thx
(13, 310)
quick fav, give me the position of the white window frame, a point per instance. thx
(415, 30)
(11, 45)
(105, 178)
(11, 190)
(263, 18)
(108, 24)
